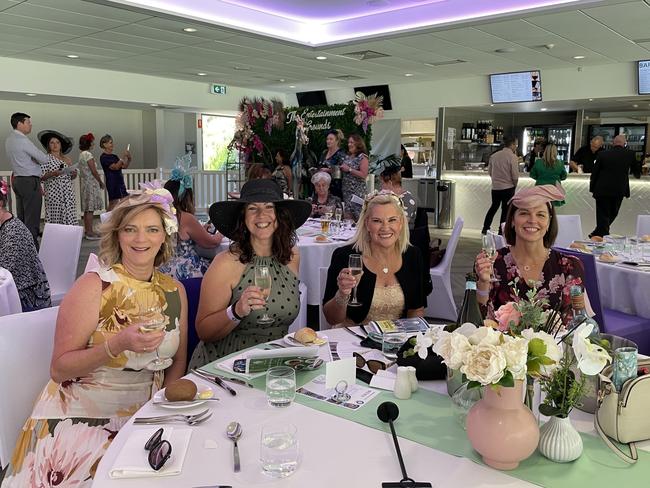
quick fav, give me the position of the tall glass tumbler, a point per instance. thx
(624, 366)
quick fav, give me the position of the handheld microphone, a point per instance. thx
(388, 412)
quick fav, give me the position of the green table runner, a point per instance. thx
(426, 418)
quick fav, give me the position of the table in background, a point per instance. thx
(9, 298)
(624, 289)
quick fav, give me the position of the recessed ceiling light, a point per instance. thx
(543, 109)
(591, 99)
(71, 56)
(153, 105)
(491, 105)
(201, 74)
(578, 57)
(281, 80)
(635, 105)
(321, 58)
(30, 94)
(408, 74)
(189, 29)
(292, 86)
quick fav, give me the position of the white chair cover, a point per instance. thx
(26, 342)
(9, 298)
(642, 225)
(324, 324)
(59, 254)
(440, 303)
(301, 319)
(569, 230)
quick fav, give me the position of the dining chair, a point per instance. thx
(569, 230)
(59, 254)
(323, 323)
(440, 303)
(193, 292)
(301, 319)
(26, 342)
(642, 225)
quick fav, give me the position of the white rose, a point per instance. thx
(515, 351)
(484, 363)
(485, 335)
(553, 351)
(467, 329)
(452, 348)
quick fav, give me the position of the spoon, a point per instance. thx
(234, 432)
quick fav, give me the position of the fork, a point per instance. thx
(175, 416)
(195, 421)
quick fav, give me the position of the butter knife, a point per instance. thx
(215, 379)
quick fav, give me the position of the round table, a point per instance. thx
(624, 288)
(9, 298)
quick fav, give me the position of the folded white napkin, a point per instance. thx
(132, 461)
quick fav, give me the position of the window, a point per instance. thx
(218, 131)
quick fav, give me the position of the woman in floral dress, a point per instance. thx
(92, 186)
(60, 201)
(99, 375)
(355, 171)
(528, 261)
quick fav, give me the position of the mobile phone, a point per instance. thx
(239, 366)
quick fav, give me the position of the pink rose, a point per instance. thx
(507, 316)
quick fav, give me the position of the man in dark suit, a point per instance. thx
(610, 182)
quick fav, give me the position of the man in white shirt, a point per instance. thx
(504, 171)
(26, 161)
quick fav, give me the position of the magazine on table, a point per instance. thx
(260, 360)
(412, 325)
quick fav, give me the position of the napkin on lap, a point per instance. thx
(132, 461)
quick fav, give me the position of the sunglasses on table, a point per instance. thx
(159, 450)
(374, 365)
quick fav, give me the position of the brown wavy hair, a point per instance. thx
(284, 238)
(550, 236)
(359, 145)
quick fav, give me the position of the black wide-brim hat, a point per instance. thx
(45, 135)
(224, 215)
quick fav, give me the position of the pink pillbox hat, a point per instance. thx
(537, 195)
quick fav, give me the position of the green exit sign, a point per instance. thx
(218, 89)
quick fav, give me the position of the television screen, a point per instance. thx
(308, 99)
(644, 77)
(381, 90)
(524, 86)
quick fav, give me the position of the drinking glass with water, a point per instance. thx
(280, 386)
(391, 343)
(279, 450)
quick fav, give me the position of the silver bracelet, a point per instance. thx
(231, 315)
(341, 299)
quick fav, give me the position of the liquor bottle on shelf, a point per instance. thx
(469, 310)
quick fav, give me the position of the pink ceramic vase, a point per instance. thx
(501, 428)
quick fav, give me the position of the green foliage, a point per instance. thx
(563, 390)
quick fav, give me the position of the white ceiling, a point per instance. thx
(113, 38)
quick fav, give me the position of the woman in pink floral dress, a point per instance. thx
(99, 363)
(528, 261)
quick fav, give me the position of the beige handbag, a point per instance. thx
(623, 416)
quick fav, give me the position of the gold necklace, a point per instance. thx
(527, 267)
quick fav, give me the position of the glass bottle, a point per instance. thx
(469, 310)
(580, 312)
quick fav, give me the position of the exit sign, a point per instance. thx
(218, 89)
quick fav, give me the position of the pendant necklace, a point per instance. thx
(528, 266)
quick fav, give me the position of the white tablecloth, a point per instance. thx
(313, 256)
(9, 298)
(334, 452)
(624, 288)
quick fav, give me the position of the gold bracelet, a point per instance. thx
(108, 350)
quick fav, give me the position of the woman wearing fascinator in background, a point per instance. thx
(60, 200)
(113, 326)
(91, 185)
(250, 295)
(186, 263)
(389, 171)
(530, 231)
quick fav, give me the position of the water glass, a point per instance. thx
(391, 343)
(636, 252)
(624, 366)
(646, 251)
(280, 386)
(279, 449)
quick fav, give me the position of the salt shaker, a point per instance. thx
(402, 389)
(412, 378)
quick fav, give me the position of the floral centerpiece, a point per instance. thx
(367, 109)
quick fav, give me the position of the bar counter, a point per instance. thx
(473, 198)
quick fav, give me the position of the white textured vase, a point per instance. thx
(559, 441)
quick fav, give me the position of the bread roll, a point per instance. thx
(645, 238)
(607, 258)
(577, 245)
(596, 238)
(305, 335)
(181, 391)
(321, 238)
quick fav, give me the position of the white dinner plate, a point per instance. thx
(321, 337)
(160, 400)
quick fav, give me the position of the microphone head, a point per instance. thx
(387, 411)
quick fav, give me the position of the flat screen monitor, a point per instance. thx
(644, 77)
(523, 86)
(309, 99)
(381, 90)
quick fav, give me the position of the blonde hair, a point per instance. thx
(361, 239)
(110, 252)
(550, 155)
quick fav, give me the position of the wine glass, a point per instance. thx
(355, 263)
(263, 281)
(490, 248)
(151, 319)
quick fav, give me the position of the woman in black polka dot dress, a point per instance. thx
(261, 226)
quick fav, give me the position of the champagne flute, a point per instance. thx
(151, 319)
(490, 248)
(263, 281)
(355, 263)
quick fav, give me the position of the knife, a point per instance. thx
(218, 381)
(237, 381)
